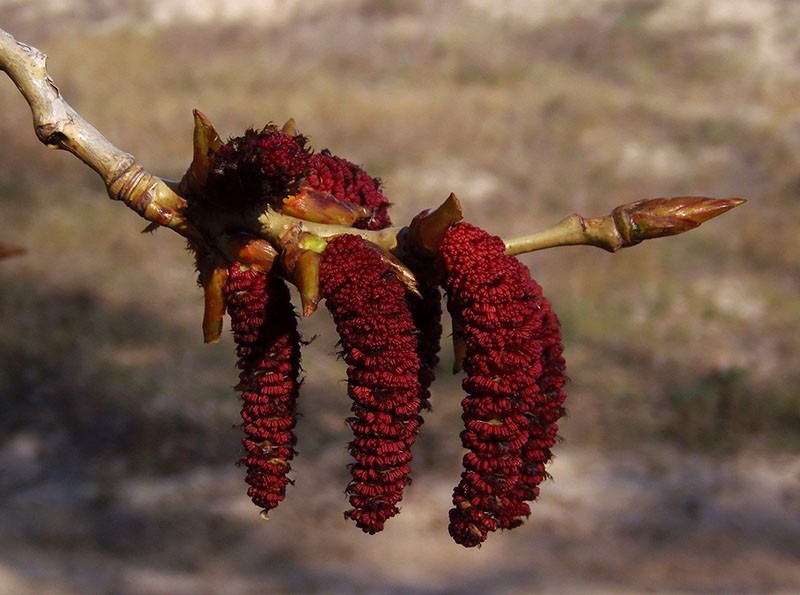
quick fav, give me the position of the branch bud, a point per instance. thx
(205, 140)
(306, 278)
(290, 128)
(426, 231)
(659, 217)
(300, 258)
(214, 301)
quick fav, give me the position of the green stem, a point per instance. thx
(627, 225)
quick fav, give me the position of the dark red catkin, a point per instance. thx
(379, 340)
(264, 328)
(258, 167)
(348, 182)
(427, 315)
(515, 373)
(542, 429)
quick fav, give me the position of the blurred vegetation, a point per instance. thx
(691, 340)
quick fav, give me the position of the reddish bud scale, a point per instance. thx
(258, 167)
(348, 182)
(514, 378)
(372, 315)
(268, 346)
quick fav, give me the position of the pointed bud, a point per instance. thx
(306, 278)
(659, 217)
(427, 229)
(205, 141)
(300, 258)
(323, 207)
(290, 128)
(213, 274)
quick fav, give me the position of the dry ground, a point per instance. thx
(609, 523)
(679, 471)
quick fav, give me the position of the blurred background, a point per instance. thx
(679, 468)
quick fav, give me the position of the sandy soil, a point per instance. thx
(610, 522)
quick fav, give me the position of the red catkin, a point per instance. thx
(427, 315)
(268, 165)
(380, 344)
(264, 328)
(348, 182)
(543, 429)
(515, 373)
(260, 166)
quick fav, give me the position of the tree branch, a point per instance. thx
(627, 225)
(162, 202)
(59, 126)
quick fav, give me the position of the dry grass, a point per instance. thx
(689, 342)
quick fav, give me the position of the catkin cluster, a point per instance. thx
(390, 338)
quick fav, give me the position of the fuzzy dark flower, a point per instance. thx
(264, 328)
(258, 167)
(514, 379)
(348, 182)
(379, 341)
